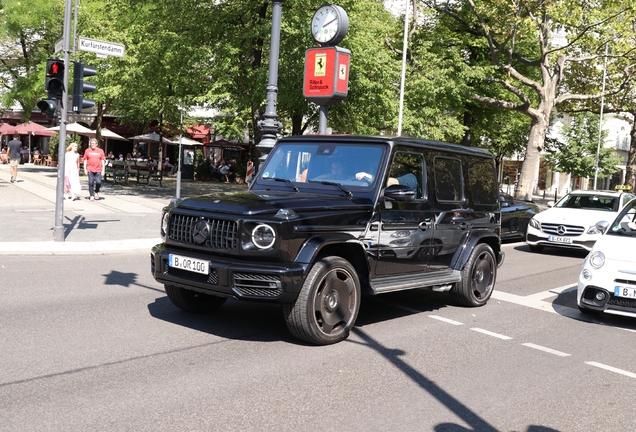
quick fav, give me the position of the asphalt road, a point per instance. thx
(92, 343)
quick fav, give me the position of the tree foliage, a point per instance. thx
(575, 151)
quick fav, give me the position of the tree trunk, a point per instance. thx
(530, 168)
(630, 172)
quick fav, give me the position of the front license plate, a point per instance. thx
(556, 239)
(622, 291)
(189, 264)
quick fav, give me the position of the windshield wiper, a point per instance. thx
(330, 183)
(289, 182)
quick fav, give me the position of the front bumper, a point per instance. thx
(231, 276)
(535, 237)
(603, 281)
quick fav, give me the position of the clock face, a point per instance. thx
(329, 24)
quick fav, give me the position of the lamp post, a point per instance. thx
(270, 127)
(178, 194)
(600, 120)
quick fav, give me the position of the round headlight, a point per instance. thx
(263, 236)
(164, 223)
(597, 259)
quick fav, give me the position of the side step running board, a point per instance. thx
(440, 281)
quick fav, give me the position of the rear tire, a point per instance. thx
(192, 301)
(328, 304)
(478, 278)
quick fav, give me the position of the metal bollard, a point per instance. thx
(555, 193)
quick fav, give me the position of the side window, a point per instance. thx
(407, 169)
(449, 182)
(482, 184)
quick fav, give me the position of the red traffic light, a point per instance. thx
(54, 83)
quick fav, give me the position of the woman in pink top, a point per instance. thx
(71, 172)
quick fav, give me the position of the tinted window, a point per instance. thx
(448, 180)
(589, 202)
(408, 169)
(481, 182)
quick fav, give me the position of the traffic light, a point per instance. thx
(53, 85)
(80, 70)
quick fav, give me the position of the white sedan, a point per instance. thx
(571, 222)
(607, 281)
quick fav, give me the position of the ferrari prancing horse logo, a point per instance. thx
(320, 68)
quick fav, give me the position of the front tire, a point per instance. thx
(192, 301)
(328, 304)
(478, 278)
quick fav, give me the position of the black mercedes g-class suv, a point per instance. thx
(329, 218)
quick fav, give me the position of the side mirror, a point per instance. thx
(399, 193)
(550, 203)
(602, 226)
(505, 204)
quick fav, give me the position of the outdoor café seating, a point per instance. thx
(38, 159)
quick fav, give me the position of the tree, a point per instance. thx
(28, 31)
(576, 152)
(530, 64)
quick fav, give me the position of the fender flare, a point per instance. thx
(463, 252)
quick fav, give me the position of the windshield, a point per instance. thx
(589, 202)
(323, 163)
(625, 223)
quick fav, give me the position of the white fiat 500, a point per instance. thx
(571, 222)
(607, 281)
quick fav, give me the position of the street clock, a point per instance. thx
(329, 25)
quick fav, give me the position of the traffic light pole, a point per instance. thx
(58, 229)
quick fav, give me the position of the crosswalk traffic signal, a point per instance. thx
(53, 85)
(80, 70)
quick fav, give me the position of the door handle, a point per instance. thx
(425, 225)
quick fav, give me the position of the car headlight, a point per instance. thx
(263, 236)
(535, 223)
(164, 223)
(597, 259)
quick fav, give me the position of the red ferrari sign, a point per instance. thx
(326, 75)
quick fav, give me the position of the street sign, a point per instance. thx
(59, 45)
(101, 48)
(326, 79)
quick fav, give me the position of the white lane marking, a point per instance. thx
(548, 350)
(489, 333)
(611, 369)
(552, 292)
(531, 302)
(446, 320)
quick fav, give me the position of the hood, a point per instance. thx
(265, 202)
(570, 216)
(617, 248)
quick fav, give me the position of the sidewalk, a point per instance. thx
(126, 218)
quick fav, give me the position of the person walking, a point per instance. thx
(14, 156)
(71, 172)
(94, 167)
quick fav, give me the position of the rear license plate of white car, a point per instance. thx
(556, 239)
(623, 291)
(189, 264)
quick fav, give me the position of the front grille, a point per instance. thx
(211, 278)
(257, 285)
(622, 302)
(570, 230)
(625, 282)
(223, 234)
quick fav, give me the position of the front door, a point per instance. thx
(405, 228)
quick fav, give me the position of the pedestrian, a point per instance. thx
(71, 172)
(14, 156)
(94, 167)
